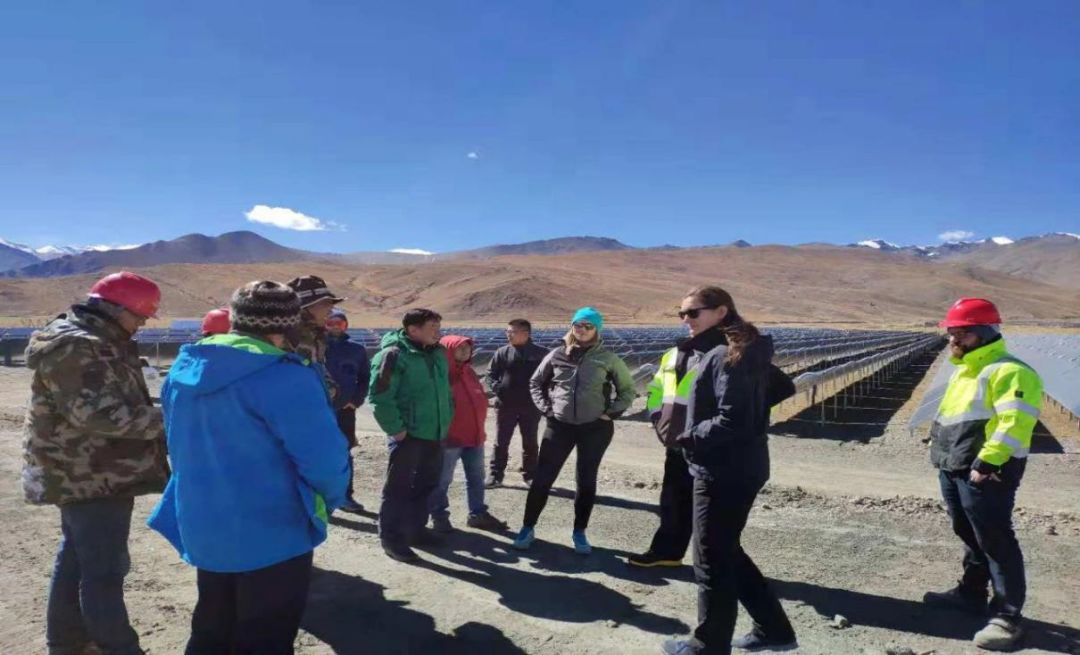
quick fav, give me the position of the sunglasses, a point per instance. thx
(693, 312)
(584, 326)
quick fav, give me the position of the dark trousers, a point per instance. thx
(726, 576)
(506, 419)
(346, 420)
(591, 440)
(86, 596)
(676, 508)
(982, 518)
(251, 613)
(412, 474)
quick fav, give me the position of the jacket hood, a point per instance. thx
(81, 320)
(223, 359)
(760, 352)
(451, 342)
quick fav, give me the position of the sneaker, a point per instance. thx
(527, 482)
(485, 521)
(441, 524)
(756, 640)
(493, 482)
(1000, 633)
(402, 554)
(958, 598)
(679, 647)
(581, 544)
(352, 507)
(650, 559)
(524, 538)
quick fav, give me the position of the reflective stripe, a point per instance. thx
(981, 414)
(1018, 405)
(675, 400)
(1019, 450)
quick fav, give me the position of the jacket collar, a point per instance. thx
(981, 356)
(703, 342)
(99, 323)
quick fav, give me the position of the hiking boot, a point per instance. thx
(958, 598)
(485, 521)
(525, 537)
(352, 507)
(1001, 633)
(679, 647)
(493, 482)
(402, 554)
(756, 640)
(581, 543)
(441, 524)
(650, 559)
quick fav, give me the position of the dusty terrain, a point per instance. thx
(771, 283)
(850, 525)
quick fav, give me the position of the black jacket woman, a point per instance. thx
(581, 388)
(725, 443)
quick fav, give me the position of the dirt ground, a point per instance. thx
(851, 524)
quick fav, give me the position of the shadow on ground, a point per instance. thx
(352, 616)
(915, 618)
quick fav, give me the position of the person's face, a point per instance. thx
(698, 317)
(336, 326)
(320, 311)
(962, 341)
(516, 336)
(463, 353)
(584, 332)
(131, 321)
(427, 334)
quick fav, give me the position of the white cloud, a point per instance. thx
(288, 219)
(1002, 241)
(411, 251)
(473, 155)
(956, 235)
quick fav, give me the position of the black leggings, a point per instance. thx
(591, 440)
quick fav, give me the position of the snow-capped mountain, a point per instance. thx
(948, 247)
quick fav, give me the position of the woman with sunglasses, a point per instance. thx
(573, 388)
(724, 440)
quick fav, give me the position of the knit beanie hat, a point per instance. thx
(265, 307)
(589, 315)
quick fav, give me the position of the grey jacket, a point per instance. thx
(578, 387)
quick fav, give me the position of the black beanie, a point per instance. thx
(265, 307)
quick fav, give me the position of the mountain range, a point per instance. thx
(1035, 278)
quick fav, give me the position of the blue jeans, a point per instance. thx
(86, 597)
(472, 460)
(982, 517)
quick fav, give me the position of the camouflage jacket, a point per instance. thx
(91, 428)
(309, 341)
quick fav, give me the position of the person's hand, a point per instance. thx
(979, 478)
(349, 406)
(400, 436)
(605, 417)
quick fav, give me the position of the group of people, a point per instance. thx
(251, 451)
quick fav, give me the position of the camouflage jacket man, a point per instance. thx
(309, 341)
(91, 428)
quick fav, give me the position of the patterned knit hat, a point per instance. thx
(265, 307)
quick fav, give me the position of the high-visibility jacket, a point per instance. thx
(988, 413)
(668, 393)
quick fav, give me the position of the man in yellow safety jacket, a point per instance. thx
(980, 441)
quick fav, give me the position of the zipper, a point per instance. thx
(435, 388)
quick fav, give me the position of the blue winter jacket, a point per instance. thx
(347, 362)
(256, 456)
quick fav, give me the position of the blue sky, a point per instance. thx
(651, 122)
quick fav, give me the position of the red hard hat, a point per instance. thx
(216, 321)
(133, 292)
(971, 311)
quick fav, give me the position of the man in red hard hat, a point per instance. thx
(216, 321)
(93, 442)
(980, 441)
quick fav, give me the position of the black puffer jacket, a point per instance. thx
(726, 436)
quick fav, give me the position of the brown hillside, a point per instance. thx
(771, 283)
